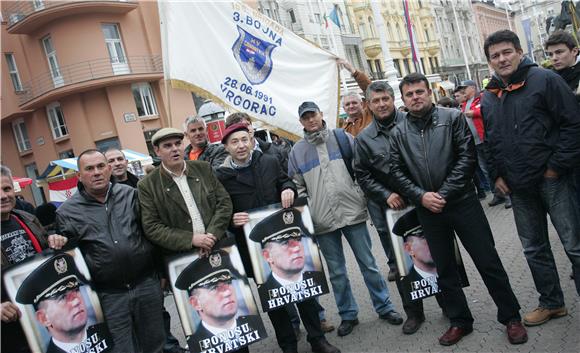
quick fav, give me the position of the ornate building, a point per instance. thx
(312, 20)
(456, 34)
(423, 21)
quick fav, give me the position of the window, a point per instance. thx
(292, 17)
(56, 120)
(38, 5)
(317, 18)
(13, 70)
(66, 154)
(407, 62)
(114, 43)
(144, 99)
(21, 136)
(50, 52)
(397, 67)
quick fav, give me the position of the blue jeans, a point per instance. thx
(135, 316)
(378, 217)
(556, 197)
(481, 170)
(360, 242)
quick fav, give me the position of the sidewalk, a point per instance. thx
(375, 335)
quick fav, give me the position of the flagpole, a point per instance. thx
(390, 71)
(461, 40)
(333, 42)
(165, 58)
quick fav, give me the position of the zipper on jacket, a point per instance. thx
(426, 160)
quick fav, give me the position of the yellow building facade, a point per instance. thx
(361, 15)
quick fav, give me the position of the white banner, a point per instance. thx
(247, 61)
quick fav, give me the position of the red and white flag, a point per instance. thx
(62, 190)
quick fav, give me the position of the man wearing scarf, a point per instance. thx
(532, 128)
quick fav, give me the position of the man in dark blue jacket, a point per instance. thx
(533, 128)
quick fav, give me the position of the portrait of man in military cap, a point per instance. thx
(294, 275)
(415, 262)
(226, 314)
(54, 297)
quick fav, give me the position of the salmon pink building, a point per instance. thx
(78, 75)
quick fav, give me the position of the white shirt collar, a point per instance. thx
(424, 274)
(67, 347)
(217, 330)
(286, 282)
(173, 175)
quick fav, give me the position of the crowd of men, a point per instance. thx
(519, 138)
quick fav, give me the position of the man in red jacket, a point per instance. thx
(472, 110)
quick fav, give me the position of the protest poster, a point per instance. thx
(213, 298)
(60, 310)
(285, 256)
(416, 267)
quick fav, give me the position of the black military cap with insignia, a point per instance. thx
(54, 276)
(207, 271)
(279, 226)
(408, 225)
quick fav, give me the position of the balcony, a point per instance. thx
(26, 16)
(88, 75)
(358, 5)
(372, 46)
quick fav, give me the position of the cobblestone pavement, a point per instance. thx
(375, 335)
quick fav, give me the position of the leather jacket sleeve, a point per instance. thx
(463, 169)
(400, 173)
(362, 171)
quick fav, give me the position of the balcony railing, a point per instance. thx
(16, 11)
(87, 71)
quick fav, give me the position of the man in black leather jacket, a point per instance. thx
(432, 164)
(102, 219)
(371, 167)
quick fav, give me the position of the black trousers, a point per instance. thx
(466, 218)
(285, 336)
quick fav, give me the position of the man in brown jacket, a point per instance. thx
(183, 205)
(359, 115)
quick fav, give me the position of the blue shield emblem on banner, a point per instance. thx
(254, 56)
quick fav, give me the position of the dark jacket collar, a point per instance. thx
(516, 80)
(376, 128)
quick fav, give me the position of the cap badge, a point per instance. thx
(288, 217)
(60, 265)
(215, 260)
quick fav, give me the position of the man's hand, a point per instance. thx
(550, 174)
(10, 312)
(240, 218)
(204, 241)
(501, 185)
(433, 202)
(287, 198)
(346, 65)
(395, 201)
(56, 241)
(468, 113)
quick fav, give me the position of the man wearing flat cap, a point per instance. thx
(183, 204)
(208, 280)
(53, 290)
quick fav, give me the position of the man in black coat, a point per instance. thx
(432, 164)
(255, 179)
(532, 127)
